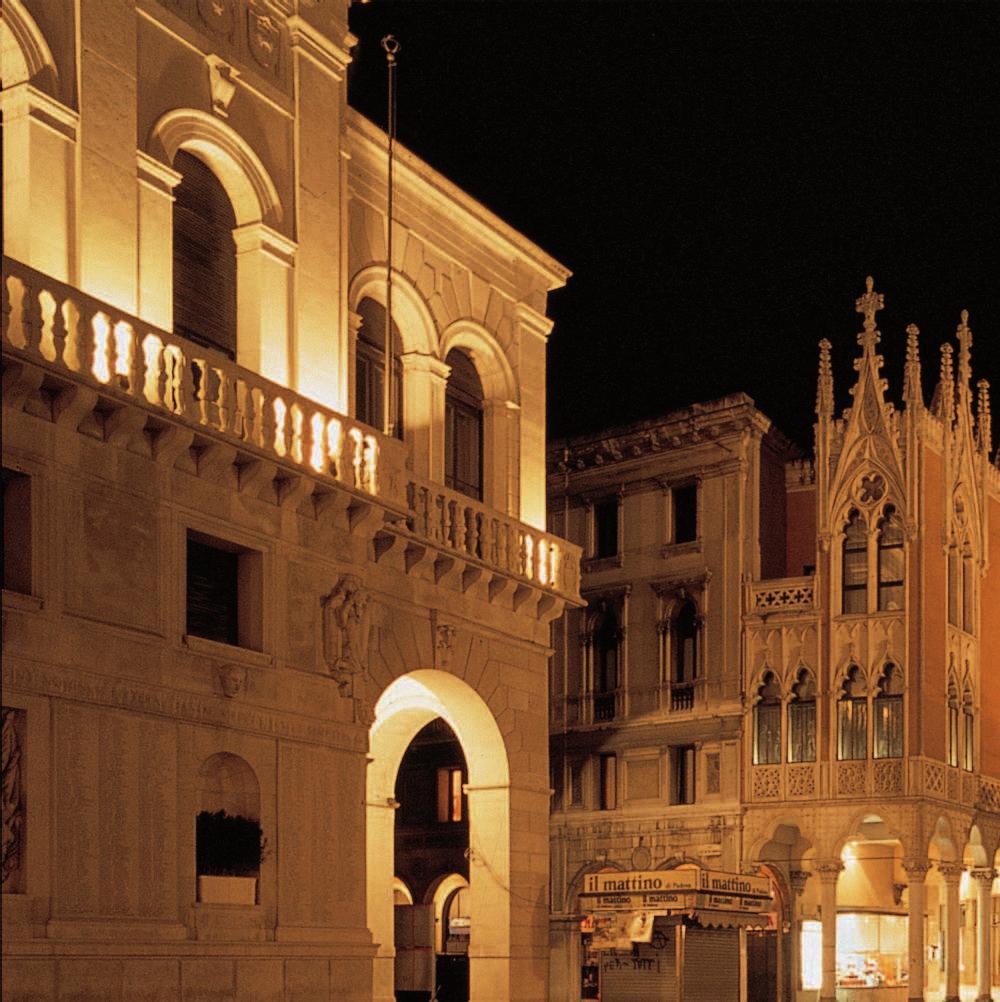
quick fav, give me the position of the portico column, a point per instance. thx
(951, 873)
(828, 872)
(797, 882)
(916, 873)
(984, 887)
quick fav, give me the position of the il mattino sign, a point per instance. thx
(638, 889)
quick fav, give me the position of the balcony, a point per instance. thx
(781, 595)
(82, 363)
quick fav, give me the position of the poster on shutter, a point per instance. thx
(619, 930)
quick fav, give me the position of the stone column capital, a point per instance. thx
(797, 880)
(983, 874)
(951, 873)
(916, 869)
(827, 870)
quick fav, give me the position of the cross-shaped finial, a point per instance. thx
(869, 303)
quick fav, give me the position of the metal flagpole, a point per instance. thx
(391, 47)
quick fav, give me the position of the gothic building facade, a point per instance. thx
(247, 557)
(783, 669)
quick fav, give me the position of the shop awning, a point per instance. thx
(710, 918)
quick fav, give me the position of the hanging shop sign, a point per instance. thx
(670, 890)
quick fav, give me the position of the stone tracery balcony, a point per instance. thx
(89, 358)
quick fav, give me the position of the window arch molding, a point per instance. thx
(682, 668)
(232, 159)
(39, 68)
(604, 653)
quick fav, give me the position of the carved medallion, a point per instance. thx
(262, 35)
(218, 15)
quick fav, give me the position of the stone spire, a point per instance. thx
(912, 392)
(824, 386)
(944, 395)
(869, 304)
(984, 423)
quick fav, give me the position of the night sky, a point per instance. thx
(720, 179)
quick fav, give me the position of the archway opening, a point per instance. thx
(435, 746)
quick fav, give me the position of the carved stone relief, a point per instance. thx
(14, 813)
(233, 680)
(346, 624)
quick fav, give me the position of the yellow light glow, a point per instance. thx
(334, 443)
(280, 414)
(151, 348)
(101, 367)
(124, 340)
(298, 420)
(812, 955)
(317, 459)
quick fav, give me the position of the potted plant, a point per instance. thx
(229, 853)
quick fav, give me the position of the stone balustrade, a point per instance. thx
(62, 330)
(783, 594)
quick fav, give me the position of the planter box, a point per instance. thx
(227, 890)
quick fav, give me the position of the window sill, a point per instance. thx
(22, 602)
(592, 564)
(680, 549)
(228, 652)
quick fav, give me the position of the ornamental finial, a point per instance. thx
(870, 303)
(824, 388)
(945, 393)
(912, 392)
(964, 335)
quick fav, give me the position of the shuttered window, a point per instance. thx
(369, 368)
(212, 593)
(463, 427)
(204, 258)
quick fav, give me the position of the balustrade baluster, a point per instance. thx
(11, 315)
(459, 531)
(31, 327)
(59, 333)
(425, 511)
(472, 546)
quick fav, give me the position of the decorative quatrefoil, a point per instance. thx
(871, 490)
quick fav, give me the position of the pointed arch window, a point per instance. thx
(855, 565)
(204, 257)
(968, 592)
(852, 717)
(802, 719)
(954, 585)
(767, 722)
(888, 711)
(890, 561)
(953, 724)
(968, 730)
(369, 368)
(463, 426)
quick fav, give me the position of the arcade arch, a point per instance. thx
(404, 708)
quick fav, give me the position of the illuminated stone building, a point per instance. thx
(231, 599)
(782, 669)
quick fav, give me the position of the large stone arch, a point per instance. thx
(495, 372)
(409, 703)
(417, 329)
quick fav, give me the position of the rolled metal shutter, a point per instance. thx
(711, 965)
(646, 975)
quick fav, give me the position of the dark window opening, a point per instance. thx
(802, 720)
(369, 368)
(609, 782)
(888, 712)
(855, 569)
(16, 531)
(682, 762)
(606, 527)
(968, 733)
(463, 427)
(685, 505)
(204, 258)
(767, 722)
(890, 562)
(954, 744)
(224, 595)
(685, 643)
(852, 718)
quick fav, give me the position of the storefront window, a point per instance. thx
(871, 950)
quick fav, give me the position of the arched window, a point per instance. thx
(968, 730)
(852, 717)
(968, 592)
(767, 722)
(802, 719)
(954, 744)
(888, 711)
(954, 586)
(685, 637)
(369, 368)
(463, 426)
(204, 257)
(890, 561)
(855, 570)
